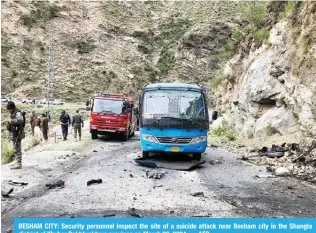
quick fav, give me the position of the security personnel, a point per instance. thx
(77, 123)
(65, 123)
(16, 132)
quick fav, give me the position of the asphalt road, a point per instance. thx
(228, 187)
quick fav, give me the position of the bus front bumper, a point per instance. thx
(181, 148)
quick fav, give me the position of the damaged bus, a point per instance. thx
(174, 118)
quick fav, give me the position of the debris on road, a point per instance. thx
(282, 171)
(288, 159)
(109, 215)
(131, 175)
(155, 175)
(17, 183)
(132, 212)
(6, 192)
(157, 186)
(178, 166)
(94, 151)
(264, 176)
(57, 184)
(146, 163)
(93, 181)
(198, 194)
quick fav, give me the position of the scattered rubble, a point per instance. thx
(5, 192)
(17, 183)
(132, 212)
(282, 171)
(287, 159)
(109, 215)
(57, 184)
(155, 175)
(198, 194)
(93, 181)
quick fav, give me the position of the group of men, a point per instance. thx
(39, 125)
(65, 122)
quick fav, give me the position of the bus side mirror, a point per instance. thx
(214, 115)
(88, 108)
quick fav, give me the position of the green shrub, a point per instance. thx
(166, 61)
(255, 15)
(111, 8)
(44, 12)
(85, 46)
(237, 34)
(225, 131)
(288, 10)
(305, 44)
(174, 29)
(269, 130)
(217, 80)
(7, 152)
(250, 134)
(261, 36)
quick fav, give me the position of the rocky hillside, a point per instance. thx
(271, 88)
(256, 59)
(110, 46)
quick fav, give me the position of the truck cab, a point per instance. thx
(174, 118)
(112, 114)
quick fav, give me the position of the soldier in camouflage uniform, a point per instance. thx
(16, 132)
(77, 122)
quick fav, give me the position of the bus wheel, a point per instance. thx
(197, 156)
(145, 154)
(94, 135)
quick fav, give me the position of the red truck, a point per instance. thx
(113, 114)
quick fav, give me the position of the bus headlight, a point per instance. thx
(150, 138)
(197, 140)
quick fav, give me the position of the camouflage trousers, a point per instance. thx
(17, 149)
(77, 128)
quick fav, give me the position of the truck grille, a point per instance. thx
(107, 122)
(174, 140)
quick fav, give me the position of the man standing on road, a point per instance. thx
(77, 123)
(32, 122)
(45, 127)
(16, 132)
(65, 123)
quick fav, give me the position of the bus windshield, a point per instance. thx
(174, 104)
(108, 106)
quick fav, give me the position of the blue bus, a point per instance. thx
(174, 118)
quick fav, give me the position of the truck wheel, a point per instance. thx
(145, 154)
(197, 156)
(94, 135)
(125, 137)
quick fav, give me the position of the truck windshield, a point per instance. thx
(108, 106)
(173, 104)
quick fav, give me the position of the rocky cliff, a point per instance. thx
(272, 89)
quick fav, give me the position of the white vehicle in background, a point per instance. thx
(27, 101)
(4, 99)
(58, 102)
(43, 101)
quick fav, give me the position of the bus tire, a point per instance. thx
(94, 135)
(145, 154)
(197, 156)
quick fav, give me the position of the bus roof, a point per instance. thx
(173, 85)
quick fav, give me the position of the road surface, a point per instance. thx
(224, 186)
